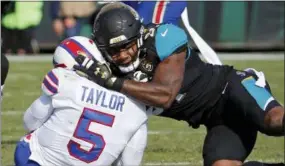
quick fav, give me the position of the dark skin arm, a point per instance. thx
(164, 87)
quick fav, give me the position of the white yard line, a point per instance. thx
(151, 132)
(36, 58)
(27, 94)
(165, 132)
(12, 113)
(172, 163)
(198, 163)
(13, 76)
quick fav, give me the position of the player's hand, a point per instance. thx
(100, 73)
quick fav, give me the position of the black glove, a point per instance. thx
(98, 72)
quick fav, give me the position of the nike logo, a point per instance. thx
(164, 33)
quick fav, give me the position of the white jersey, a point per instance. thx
(89, 125)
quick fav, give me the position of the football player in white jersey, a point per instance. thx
(77, 122)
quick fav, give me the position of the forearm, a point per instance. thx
(37, 113)
(31, 123)
(150, 93)
(164, 87)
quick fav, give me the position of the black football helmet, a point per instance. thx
(115, 26)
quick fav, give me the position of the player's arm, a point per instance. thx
(164, 87)
(38, 113)
(42, 108)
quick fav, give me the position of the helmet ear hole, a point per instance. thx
(60, 65)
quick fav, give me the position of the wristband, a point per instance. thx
(115, 83)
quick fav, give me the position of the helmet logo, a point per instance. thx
(97, 70)
(118, 39)
(146, 65)
(81, 53)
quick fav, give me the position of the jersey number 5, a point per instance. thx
(83, 134)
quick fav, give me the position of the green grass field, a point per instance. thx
(170, 142)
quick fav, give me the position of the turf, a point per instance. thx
(169, 141)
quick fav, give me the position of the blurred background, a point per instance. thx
(225, 25)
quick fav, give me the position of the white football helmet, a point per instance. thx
(67, 50)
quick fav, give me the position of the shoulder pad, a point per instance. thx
(50, 84)
(168, 38)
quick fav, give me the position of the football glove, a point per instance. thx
(100, 73)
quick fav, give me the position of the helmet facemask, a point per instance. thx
(109, 51)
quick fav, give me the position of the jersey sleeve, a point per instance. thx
(50, 84)
(38, 113)
(168, 39)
